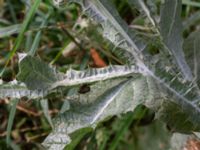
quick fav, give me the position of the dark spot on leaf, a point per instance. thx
(14, 35)
(85, 88)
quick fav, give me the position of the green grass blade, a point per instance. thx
(127, 122)
(9, 30)
(45, 108)
(12, 11)
(192, 20)
(38, 35)
(138, 114)
(59, 54)
(191, 3)
(29, 41)
(10, 120)
(23, 29)
(103, 144)
(77, 137)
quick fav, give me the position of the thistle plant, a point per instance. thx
(166, 82)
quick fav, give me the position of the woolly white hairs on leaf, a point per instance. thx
(59, 3)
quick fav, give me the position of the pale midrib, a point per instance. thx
(94, 78)
(101, 111)
(146, 10)
(173, 19)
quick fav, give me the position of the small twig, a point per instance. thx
(140, 28)
(30, 112)
(102, 49)
(108, 54)
(36, 29)
(72, 38)
(27, 111)
(36, 136)
(22, 130)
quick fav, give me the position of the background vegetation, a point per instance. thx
(66, 38)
